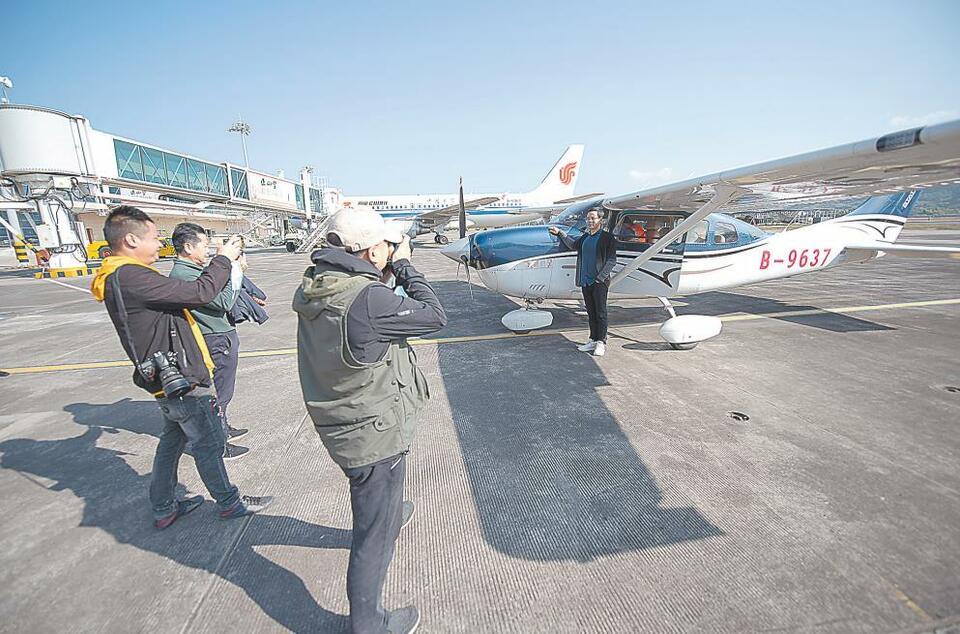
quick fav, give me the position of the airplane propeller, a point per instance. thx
(463, 213)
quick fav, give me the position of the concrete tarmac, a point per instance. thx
(555, 492)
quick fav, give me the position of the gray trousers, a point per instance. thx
(376, 498)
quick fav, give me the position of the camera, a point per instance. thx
(163, 366)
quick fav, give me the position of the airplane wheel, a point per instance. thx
(104, 253)
(684, 346)
(443, 239)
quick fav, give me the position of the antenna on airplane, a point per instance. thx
(463, 213)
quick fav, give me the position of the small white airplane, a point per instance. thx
(671, 242)
(426, 213)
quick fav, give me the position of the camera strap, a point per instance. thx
(125, 325)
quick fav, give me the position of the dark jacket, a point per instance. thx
(211, 318)
(606, 254)
(157, 322)
(378, 315)
(245, 308)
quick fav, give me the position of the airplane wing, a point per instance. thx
(436, 217)
(558, 207)
(576, 199)
(871, 250)
(921, 157)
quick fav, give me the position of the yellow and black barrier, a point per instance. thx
(21, 249)
(73, 272)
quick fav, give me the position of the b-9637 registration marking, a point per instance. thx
(796, 258)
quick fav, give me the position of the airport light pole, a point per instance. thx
(243, 129)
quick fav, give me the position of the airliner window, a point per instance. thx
(724, 233)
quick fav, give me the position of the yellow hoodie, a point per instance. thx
(114, 262)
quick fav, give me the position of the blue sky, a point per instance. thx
(404, 97)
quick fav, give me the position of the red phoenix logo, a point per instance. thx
(567, 172)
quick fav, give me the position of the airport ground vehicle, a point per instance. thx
(99, 249)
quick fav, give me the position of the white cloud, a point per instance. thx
(652, 179)
(909, 121)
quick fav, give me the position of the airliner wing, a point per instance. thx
(576, 199)
(875, 249)
(922, 157)
(436, 217)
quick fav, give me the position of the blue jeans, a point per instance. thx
(193, 418)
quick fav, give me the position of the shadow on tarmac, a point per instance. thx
(480, 313)
(115, 501)
(553, 475)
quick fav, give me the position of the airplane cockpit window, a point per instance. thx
(576, 215)
(698, 235)
(724, 233)
(637, 230)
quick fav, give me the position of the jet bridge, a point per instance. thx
(62, 176)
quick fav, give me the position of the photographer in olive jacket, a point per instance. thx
(363, 389)
(171, 362)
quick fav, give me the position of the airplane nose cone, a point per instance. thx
(457, 250)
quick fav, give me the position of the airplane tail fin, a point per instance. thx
(885, 215)
(561, 180)
(900, 205)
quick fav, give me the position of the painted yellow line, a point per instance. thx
(278, 352)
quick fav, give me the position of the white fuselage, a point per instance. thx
(774, 256)
(404, 209)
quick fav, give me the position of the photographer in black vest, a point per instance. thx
(364, 391)
(150, 312)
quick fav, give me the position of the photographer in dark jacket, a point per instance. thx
(364, 391)
(151, 316)
(596, 257)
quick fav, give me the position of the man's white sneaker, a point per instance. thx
(600, 349)
(587, 347)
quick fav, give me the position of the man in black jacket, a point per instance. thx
(151, 316)
(596, 258)
(364, 390)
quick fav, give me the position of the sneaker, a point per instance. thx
(600, 349)
(407, 513)
(232, 452)
(235, 434)
(183, 507)
(587, 347)
(247, 505)
(403, 620)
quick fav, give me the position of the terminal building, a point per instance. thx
(59, 177)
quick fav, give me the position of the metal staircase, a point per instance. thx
(314, 236)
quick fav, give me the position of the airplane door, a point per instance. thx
(635, 232)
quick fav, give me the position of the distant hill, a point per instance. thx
(939, 201)
(935, 201)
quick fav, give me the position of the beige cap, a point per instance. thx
(360, 228)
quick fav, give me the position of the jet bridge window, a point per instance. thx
(724, 233)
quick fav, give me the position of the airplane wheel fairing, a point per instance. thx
(686, 331)
(523, 320)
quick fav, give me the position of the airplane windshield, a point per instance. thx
(575, 215)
